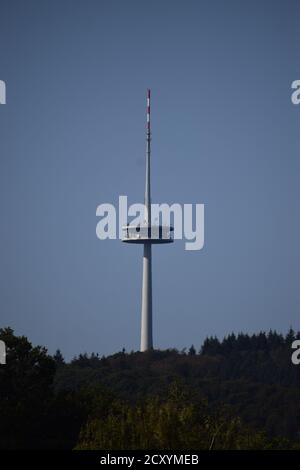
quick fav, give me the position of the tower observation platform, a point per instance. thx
(156, 234)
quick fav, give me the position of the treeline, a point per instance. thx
(244, 342)
(262, 357)
(239, 393)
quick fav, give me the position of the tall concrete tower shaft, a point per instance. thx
(146, 317)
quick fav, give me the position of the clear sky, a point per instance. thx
(224, 133)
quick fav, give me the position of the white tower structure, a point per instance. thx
(147, 234)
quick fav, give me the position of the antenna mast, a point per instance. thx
(148, 152)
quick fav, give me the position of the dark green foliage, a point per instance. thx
(192, 351)
(58, 358)
(239, 393)
(32, 415)
(25, 391)
(253, 374)
(180, 421)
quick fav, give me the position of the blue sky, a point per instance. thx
(224, 133)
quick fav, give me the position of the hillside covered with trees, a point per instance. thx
(239, 393)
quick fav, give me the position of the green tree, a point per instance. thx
(58, 358)
(25, 391)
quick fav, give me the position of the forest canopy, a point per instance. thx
(242, 392)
